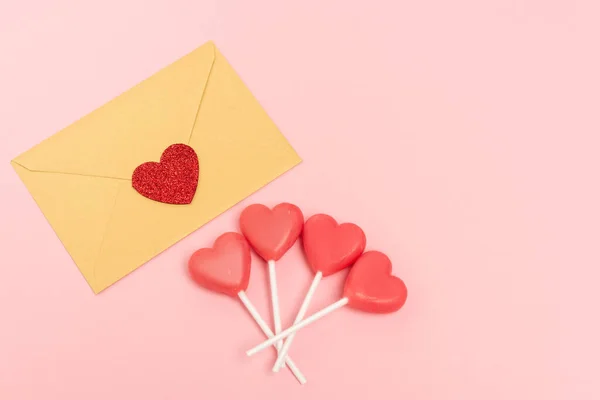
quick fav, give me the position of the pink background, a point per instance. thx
(463, 136)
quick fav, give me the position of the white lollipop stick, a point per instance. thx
(303, 308)
(267, 331)
(275, 301)
(318, 315)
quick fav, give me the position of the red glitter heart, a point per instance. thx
(173, 180)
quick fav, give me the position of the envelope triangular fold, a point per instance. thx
(78, 208)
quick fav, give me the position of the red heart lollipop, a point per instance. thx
(174, 180)
(224, 268)
(370, 285)
(271, 232)
(330, 247)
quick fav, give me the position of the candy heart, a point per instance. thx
(370, 285)
(271, 232)
(330, 247)
(224, 268)
(174, 180)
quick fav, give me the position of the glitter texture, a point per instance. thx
(173, 180)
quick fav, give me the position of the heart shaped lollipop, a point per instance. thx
(371, 289)
(370, 285)
(271, 232)
(329, 248)
(225, 268)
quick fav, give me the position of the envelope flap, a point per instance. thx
(133, 128)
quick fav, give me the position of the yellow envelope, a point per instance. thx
(81, 177)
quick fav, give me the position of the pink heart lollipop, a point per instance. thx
(225, 268)
(370, 287)
(329, 247)
(271, 233)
